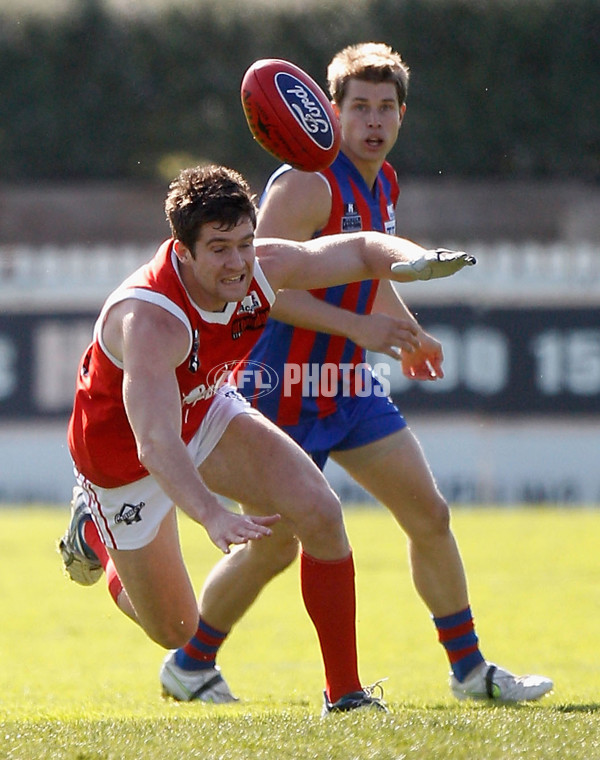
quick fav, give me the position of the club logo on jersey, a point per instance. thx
(351, 220)
(306, 109)
(130, 513)
(251, 315)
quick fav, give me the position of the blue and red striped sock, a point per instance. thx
(456, 634)
(201, 651)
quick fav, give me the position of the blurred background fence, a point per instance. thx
(103, 102)
(500, 88)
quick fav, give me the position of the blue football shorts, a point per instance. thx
(358, 420)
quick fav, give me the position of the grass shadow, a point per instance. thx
(589, 708)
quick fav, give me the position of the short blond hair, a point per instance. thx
(369, 62)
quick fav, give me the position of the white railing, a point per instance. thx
(519, 272)
(70, 276)
(505, 272)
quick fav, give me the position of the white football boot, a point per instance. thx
(489, 682)
(80, 562)
(189, 685)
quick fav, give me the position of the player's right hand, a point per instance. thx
(226, 528)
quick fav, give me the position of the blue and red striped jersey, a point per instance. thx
(315, 368)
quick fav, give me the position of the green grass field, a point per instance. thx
(79, 681)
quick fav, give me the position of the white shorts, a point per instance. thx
(129, 517)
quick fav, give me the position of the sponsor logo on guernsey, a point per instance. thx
(390, 226)
(306, 109)
(130, 513)
(249, 304)
(216, 377)
(351, 220)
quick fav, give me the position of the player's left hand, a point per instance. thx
(385, 334)
(424, 362)
(434, 264)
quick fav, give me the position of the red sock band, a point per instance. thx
(457, 635)
(329, 596)
(93, 540)
(114, 582)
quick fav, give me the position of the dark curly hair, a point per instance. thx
(207, 194)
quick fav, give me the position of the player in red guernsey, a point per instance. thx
(100, 437)
(327, 330)
(155, 424)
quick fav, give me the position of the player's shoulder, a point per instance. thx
(299, 183)
(388, 171)
(295, 206)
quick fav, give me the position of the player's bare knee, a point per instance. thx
(172, 634)
(438, 514)
(432, 524)
(275, 554)
(288, 551)
(322, 518)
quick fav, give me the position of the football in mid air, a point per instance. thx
(290, 115)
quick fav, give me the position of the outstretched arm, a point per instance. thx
(296, 207)
(152, 343)
(339, 259)
(391, 329)
(386, 334)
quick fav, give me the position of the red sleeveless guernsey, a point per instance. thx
(100, 438)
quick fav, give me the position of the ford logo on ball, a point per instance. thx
(306, 109)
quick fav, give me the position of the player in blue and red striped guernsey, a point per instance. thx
(328, 400)
(354, 207)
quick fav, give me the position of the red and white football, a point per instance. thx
(290, 115)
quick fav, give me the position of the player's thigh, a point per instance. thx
(159, 587)
(395, 471)
(258, 465)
